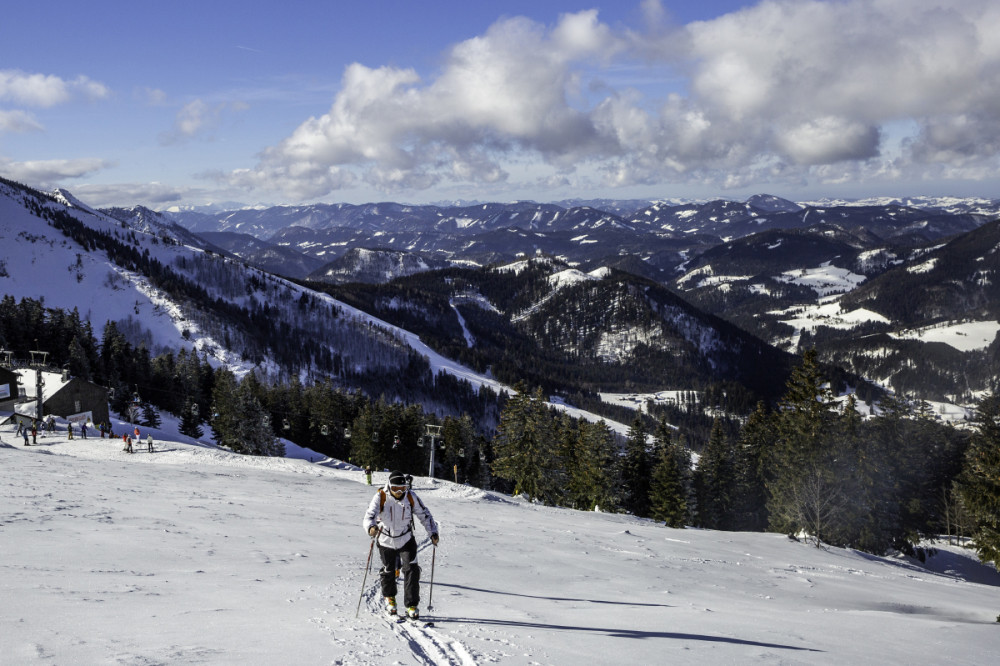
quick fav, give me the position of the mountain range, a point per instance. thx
(583, 298)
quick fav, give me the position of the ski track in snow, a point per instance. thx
(428, 646)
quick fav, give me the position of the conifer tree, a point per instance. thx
(79, 364)
(525, 448)
(980, 485)
(239, 420)
(872, 518)
(804, 489)
(224, 410)
(667, 496)
(365, 448)
(636, 471)
(749, 462)
(150, 417)
(254, 431)
(718, 480)
(190, 421)
(590, 466)
(461, 448)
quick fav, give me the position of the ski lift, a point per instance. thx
(194, 409)
(286, 425)
(347, 432)
(266, 420)
(374, 435)
(325, 431)
(395, 441)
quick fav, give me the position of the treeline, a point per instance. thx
(246, 413)
(806, 468)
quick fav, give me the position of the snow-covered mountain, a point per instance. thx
(165, 294)
(660, 233)
(193, 554)
(868, 305)
(169, 288)
(374, 265)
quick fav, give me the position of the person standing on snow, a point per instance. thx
(390, 518)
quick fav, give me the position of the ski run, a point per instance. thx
(194, 555)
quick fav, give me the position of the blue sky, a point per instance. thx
(190, 103)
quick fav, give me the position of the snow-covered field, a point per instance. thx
(196, 555)
(963, 336)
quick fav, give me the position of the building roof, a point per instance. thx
(53, 382)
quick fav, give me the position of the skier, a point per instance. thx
(390, 518)
(368, 474)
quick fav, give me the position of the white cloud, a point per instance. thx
(49, 173)
(780, 91)
(829, 139)
(153, 96)
(18, 121)
(197, 119)
(46, 90)
(129, 194)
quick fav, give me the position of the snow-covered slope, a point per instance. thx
(194, 555)
(40, 263)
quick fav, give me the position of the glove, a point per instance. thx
(372, 531)
(434, 539)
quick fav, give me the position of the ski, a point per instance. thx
(419, 622)
(394, 618)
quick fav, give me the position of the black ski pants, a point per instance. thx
(407, 557)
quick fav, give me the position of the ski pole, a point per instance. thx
(430, 596)
(368, 567)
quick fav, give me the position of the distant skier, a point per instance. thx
(390, 517)
(368, 474)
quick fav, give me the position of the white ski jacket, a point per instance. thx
(396, 517)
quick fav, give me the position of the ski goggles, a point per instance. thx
(397, 489)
